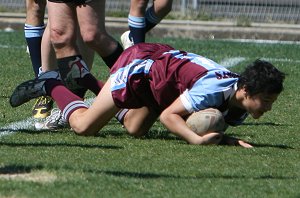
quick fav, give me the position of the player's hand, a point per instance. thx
(244, 144)
(227, 140)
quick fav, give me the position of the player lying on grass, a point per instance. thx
(157, 80)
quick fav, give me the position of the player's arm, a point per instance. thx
(172, 118)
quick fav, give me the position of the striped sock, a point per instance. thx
(71, 107)
(121, 115)
(33, 36)
(137, 29)
(66, 101)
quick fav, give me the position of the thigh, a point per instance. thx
(139, 121)
(91, 17)
(62, 18)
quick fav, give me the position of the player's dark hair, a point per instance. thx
(261, 77)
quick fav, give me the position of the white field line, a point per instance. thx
(262, 41)
(16, 126)
(13, 47)
(26, 124)
(281, 60)
(231, 62)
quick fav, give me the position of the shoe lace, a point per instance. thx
(55, 116)
(44, 100)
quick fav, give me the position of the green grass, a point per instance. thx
(113, 164)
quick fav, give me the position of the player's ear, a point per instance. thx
(245, 92)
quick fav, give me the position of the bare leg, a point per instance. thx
(35, 11)
(47, 51)
(63, 32)
(90, 121)
(91, 19)
(48, 54)
(162, 7)
(86, 52)
(139, 121)
(33, 29)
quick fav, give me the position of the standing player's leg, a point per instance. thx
(63, 35)
(142, 20)
(34, 28)
(55, 120)
(154, 14)
(71, 53)
(91, 19)
(136, 24)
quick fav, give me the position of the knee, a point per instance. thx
(136, 131)
(59, 38)
(89, 37)
(92, 38)
(83, 130)
(101, 42)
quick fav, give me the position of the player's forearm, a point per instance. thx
(176, 125)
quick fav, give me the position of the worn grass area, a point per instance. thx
(113, 164)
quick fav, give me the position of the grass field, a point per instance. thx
(113, 164)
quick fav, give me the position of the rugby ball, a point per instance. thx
(206, 120)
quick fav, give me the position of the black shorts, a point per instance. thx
(77, 2)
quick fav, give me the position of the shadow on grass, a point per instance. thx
(161, 134)
(280, 146)
(4, 97)
(152, 134)
(13, 144)
(204, 176)
(264, 124)
(262, 145)
(17, 169)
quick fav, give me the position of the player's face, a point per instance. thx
(260, 103)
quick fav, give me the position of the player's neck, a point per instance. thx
(237, 99)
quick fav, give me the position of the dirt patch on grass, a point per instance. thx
(37, 176)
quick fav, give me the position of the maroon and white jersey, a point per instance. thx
(154, 75)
